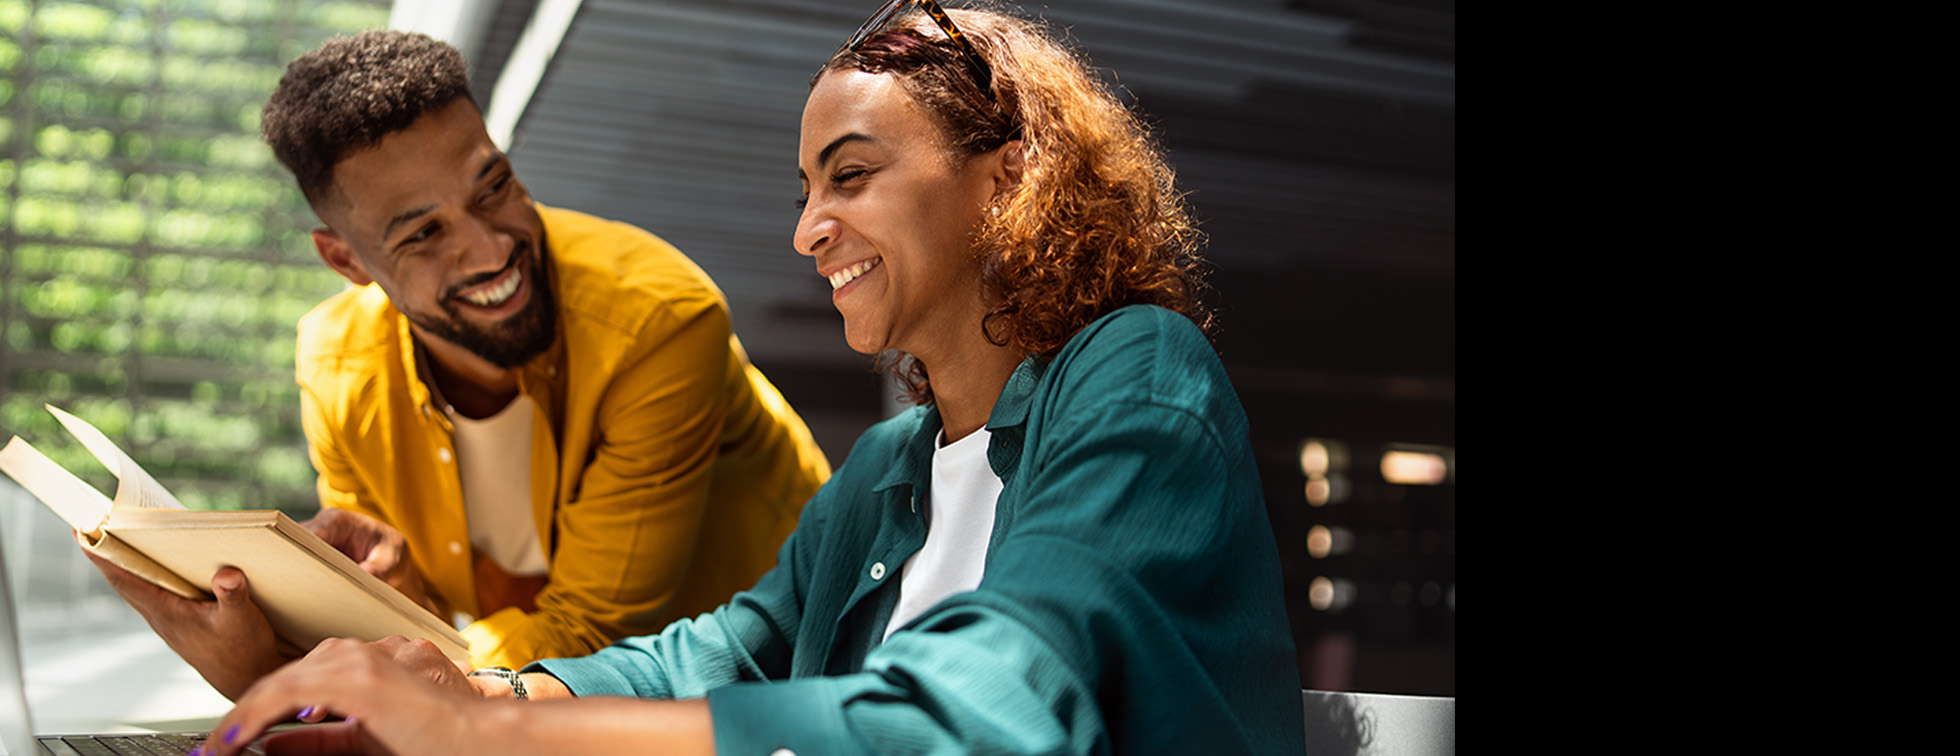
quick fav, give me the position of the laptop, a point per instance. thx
(17, 736)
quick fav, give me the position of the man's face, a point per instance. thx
(435, 216)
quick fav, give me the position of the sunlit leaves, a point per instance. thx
(156, 259)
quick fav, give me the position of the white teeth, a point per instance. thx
(496, 295)
(838, 279)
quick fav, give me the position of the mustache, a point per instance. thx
(517, 251)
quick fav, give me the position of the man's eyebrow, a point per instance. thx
(492, 164)
(495, 160)
(389, 231)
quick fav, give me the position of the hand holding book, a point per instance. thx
(380, 550)
(306, 589)
(227, 640)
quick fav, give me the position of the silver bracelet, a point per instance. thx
(507, 675)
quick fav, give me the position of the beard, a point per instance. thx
(516, 339)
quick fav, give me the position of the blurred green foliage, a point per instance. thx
(154, 258)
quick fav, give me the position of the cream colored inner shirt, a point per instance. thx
(493, 456)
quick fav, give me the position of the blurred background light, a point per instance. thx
(1330, 594)
(1319, 492)
(1321, 457)
(1324, 541)
(1320, 542)
(1313, 458)
(1414, 468)
(1322, 461)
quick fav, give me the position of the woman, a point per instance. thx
(1062, 549)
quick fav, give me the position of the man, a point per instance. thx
(532, 418)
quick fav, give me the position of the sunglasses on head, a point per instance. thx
(883, 17)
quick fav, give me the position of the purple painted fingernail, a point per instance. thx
(306, 712)
(231, 734)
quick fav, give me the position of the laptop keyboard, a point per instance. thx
(160, 744)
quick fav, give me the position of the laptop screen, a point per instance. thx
(16, 727)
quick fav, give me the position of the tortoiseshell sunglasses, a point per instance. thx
(982, 73)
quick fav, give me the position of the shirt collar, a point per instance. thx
(1011, 409)
(915, 457)
(1010, 414)
(412, 365)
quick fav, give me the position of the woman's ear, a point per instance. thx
(1006, 165)
(1013, 163)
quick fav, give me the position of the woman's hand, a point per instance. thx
(398, 696)
(403, 697)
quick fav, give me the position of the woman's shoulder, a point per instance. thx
(1138, 342)
(1127, 328)
(1143, 354)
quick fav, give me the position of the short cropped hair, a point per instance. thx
(1097, 222)
(352, 91)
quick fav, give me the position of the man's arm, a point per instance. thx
(751, 638)
(624, 545)
(349, 519)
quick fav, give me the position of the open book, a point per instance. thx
(308, 590)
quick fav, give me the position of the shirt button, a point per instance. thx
(443, 454)
(782, 752)
(878, 571)
(455, 547)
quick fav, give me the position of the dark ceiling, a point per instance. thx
(1316, 138)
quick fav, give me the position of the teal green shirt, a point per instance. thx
(1131, 602)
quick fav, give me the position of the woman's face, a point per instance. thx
(889, 216)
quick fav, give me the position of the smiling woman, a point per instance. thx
(1062, 549)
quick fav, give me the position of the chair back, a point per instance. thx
(1376, 724)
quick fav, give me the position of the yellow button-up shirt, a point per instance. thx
(665, 469)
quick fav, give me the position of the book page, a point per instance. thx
(76, 501)
(136, 487)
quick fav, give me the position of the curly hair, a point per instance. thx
(353, 91)
(1096, 222)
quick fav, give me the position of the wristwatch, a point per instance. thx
(507, 675)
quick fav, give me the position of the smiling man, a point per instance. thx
(531, 419)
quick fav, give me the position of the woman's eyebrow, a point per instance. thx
(830, 150)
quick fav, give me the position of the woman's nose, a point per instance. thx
(813, 231)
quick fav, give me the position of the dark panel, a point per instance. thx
(1316, 139)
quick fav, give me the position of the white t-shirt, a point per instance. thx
(493, 458)
(961, 519)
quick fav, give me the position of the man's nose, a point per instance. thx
(484, 248)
